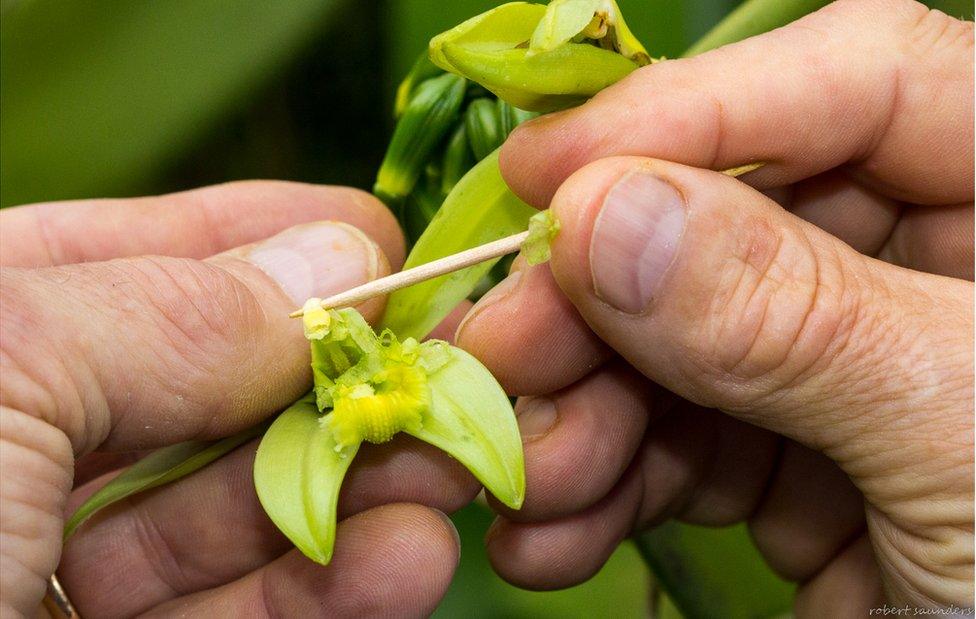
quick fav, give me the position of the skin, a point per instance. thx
(805, 364)
(132, 324)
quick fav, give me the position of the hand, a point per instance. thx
(832, 332)
(108, 349)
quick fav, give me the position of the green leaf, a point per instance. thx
(714, 572)
(297, 474)
(471, 418)
(158, 468)
(481, 208)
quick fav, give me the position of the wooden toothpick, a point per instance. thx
(435, 268)
(448, 264)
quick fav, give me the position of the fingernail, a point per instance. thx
(536, 416)
(635, 238)
(504, 289)
(317, 259)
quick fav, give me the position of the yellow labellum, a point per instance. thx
(396, 400)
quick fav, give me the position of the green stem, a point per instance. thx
(753, 17)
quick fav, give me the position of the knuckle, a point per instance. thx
(779, 309)
(932, 31)
(34, 376)
(167, 564)
(200, 309)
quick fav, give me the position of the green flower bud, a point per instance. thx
(421, 71)
(538, 58)
(426, 120)
(457, 159)
(510, 116)
(484, 128)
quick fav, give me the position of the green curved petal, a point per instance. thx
(471, 418)
(297, 474)
(564, 19)
(503, 27)
(542, 82)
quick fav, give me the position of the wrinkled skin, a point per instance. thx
(795, 352)
(131, 324)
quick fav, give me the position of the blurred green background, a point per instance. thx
(119, 98)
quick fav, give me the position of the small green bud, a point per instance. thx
(426, 120)
(484, 128)
(422, 70)
(457, 159)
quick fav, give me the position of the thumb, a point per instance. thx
(714, 291)
(139, 352)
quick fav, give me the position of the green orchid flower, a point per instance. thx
(542, 58)
(369, 387)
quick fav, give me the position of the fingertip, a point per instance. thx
(406, 469)
(576, 206)
(375, 218)
(407, 552)
(510, 329)
(537, 156)
(448, 328)
(237, 208)
(392, 560)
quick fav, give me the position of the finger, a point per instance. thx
(755, 312)
(934, 240)
(686, 461)
(808, 515)
(860, 217)
(392, 560)
(848, 587)
(209, 529)
(96, 464)
(701, 467)
(524, 308)
(566, 551)
(578, 442)
(446, 329)
(140, 352)
(784, 99)
(189, 224)
(36, 463)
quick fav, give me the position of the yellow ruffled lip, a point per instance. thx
(395, 400)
